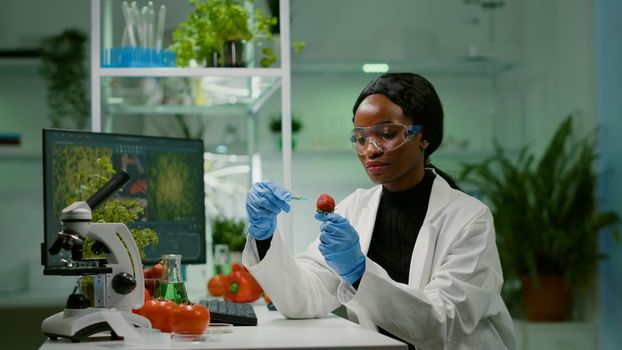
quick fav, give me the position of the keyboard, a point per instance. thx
(237, 314)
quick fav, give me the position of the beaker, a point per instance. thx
(171, 284)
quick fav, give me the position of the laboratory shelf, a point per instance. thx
(205, 95)
(134, 97)
(158, 110)
(468, 66)
(190, 72)
(19, 155)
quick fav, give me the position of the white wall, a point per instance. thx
(24, 23)
(23, 106)
(399, 29)
(23, 109)
(558, 59)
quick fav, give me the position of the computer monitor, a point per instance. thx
(166, 180)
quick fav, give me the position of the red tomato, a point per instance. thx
(155, 271)
(217, 285)
(159, 313)
(190, 319)
(242, 287)
(148, 309)
(147, 297)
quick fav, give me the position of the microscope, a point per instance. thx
(118, 279)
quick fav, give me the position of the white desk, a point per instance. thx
(272, 332)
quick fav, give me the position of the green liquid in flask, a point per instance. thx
(174, 291)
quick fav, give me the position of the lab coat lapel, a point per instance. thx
(422, 260)
(367, 219)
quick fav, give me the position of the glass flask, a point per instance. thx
(171, 284)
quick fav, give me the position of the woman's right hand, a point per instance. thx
(264, 202)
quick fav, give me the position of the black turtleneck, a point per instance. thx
(398, 221)
(399, 218)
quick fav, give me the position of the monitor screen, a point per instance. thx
(166, 181)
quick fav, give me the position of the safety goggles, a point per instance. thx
(384, 137)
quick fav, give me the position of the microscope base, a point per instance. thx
(80, 324)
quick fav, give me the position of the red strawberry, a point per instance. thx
(325, 203)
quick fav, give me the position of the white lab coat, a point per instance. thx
(452, 299)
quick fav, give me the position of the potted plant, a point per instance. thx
(276, 128)
(216, 30)
(230, 233)
(62, 58)
(546, 220)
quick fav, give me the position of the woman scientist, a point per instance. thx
(412, 257)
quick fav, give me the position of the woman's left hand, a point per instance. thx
(339, 244)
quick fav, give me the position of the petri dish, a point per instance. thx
(149, 336)
(178, 337)
(212, 333)
(219, 328)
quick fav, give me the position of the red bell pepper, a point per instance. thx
(242, 287)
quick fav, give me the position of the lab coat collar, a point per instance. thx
(425, 245)
(368, 218)
(439, 198)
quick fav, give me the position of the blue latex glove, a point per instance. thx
(339, 244)
(263, 202)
